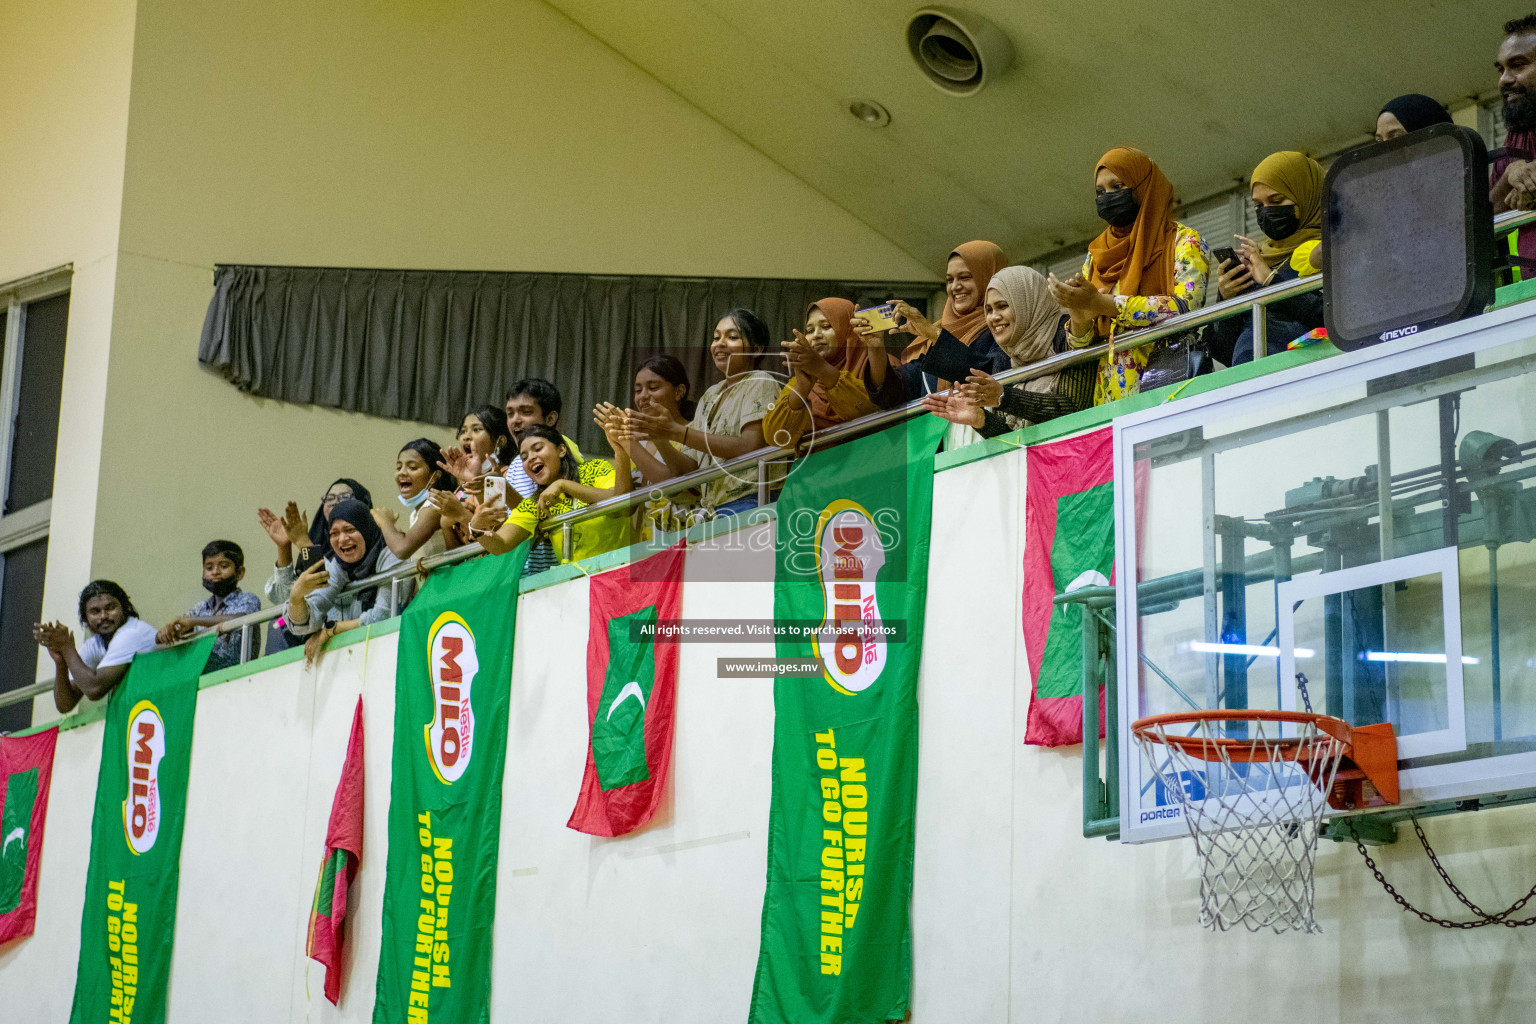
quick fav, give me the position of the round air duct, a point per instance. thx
(957, 51)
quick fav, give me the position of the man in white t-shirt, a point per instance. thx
(84, 678)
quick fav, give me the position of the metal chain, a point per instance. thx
(1456, 890)
(1485, 918)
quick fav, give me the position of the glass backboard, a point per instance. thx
(1356, 534)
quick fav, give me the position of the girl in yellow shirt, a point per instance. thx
(563, 485)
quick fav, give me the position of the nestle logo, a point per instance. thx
(1401, 332)
(453, 665)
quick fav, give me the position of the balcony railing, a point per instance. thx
(760, 461)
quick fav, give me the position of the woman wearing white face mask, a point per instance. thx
(1028, 325)
(416, 474)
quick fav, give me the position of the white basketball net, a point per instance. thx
(1254, 824)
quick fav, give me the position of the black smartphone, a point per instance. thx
(1223, 254)
(307, 557)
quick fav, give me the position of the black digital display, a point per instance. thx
(1407, 236)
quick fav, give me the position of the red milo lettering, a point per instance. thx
(453, 646)
(845, 564)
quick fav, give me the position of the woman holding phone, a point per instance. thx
(358, 551)
(827, 362)
(943, 351)
(1030, 327)
(1287, 195)
(562, 485)
(479, 462)
(296, 535)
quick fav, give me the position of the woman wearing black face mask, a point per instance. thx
(1143, 269)
(1288, 203)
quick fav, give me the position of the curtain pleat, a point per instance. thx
(427, 345)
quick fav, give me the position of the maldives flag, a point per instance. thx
(1069, 543)
(631, 694)
(343, 852)
(26, 768)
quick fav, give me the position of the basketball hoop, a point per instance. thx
(1253, 786)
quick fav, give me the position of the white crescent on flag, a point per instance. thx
(1091, 578)
(629, 690)
(16, 833)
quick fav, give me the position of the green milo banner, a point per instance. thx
(129, 924)
(853, 528)
(452, 686)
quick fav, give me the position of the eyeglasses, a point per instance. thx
(335, 499)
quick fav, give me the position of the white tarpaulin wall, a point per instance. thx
(1015, 916)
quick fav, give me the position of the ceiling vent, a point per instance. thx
(957, 51)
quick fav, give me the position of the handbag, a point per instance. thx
(1174, 361)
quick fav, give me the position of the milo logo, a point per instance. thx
(451, 668)
(146, 749)
(849, 555)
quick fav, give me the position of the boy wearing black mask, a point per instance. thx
(223, 569)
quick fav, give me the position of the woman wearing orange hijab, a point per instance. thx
(1143, 269)
(827, 361)
(963, 326)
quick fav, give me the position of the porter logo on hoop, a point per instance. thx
(146, 749)
(451, 668)
(849, 554)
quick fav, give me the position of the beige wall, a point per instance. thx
(64, 68)
(485, 135)
(64, 79)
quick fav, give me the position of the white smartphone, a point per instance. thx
(495, 490)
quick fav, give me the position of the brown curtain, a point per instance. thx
(428, 344)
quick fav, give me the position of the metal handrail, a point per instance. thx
(1254, 302)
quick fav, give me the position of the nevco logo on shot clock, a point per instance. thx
(1401, 332)
(850, 554)
(146, 749)
(451, 667)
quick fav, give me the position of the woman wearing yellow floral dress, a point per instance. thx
(1144, 268)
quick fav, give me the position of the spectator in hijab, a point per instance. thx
(827, 387)
(1408, 114)
(1029, 326)
(941, 351)
(1144, 268)
(1287, 197)
(316, 600)
(728, 422)
(417, 473)
(84, 678)
(294, 532)
(1514, 171)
